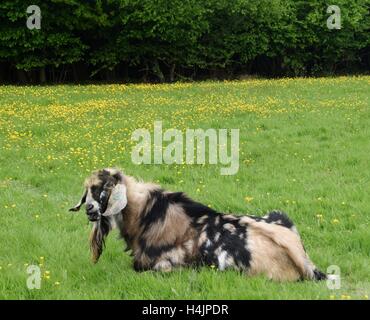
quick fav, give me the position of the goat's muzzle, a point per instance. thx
(92, 213)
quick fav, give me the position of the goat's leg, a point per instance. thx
(163, 266)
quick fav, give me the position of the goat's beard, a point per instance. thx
(95, 217)
(98, 234)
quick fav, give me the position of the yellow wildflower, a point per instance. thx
(248, 199)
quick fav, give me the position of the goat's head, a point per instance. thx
(105, 194)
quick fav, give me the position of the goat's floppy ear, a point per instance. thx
(117, 200)
(80, 203)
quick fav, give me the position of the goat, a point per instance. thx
(166, 229)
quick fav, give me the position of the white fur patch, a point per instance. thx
(208, 243)
(222, 260)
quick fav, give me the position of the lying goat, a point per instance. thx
(167, 229)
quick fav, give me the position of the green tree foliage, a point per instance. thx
(161, 40)
(315, 48)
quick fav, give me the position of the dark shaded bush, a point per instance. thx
(161, 40)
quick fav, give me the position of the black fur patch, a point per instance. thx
(104, 228)
(158, 211)
(258, 219)
(95, 192)
(319, 275)
(231, 242)
(281, 218)
(139, 267)
(118, 177)
(104, 175)
(161, 202)
(154, 251)
(192, 208)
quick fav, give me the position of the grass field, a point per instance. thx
(304, 149)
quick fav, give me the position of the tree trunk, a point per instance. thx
(172, 72)
(53, 74)
(21, 75)
(74, 72)
(146, 73)
(60, 75)
(42, 74)
(110, 75)
(157, 71)
(2, 72)
(126, 77)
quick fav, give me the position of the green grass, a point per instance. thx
(304, 149)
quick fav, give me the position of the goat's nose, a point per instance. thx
(89, 207)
